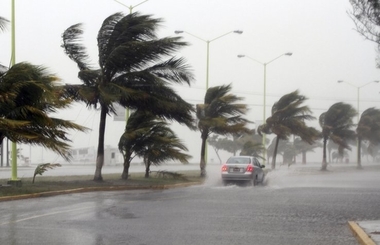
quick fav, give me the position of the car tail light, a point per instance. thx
(249, 168)
(224, 168)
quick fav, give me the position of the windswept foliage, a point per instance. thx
(366, 16)
(150, 138)
(28, 94)
(135, 71)
(288, 118)
(337, 124)
(220, 114)
(368, 129)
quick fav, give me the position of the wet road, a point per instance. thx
(294, 207)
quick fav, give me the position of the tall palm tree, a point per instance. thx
(220, 114)
(368, 129)
(135, 71)
(28, 94)
(148, 137)
(288, 118)
(336, 124)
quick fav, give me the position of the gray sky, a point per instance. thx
(320, 34)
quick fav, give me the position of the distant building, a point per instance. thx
(87, 155)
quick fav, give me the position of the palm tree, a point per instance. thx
(251, 144)
(163, 145)
(288, 117)
(303, 147)
(220, 114)
(368, 129)
(3, 23)
(336, 124)
(28, 94)
(148, 137)
(135, 71)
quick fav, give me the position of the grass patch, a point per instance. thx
(111, 182)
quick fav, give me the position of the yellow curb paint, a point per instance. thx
(360, 234)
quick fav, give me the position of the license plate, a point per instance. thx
(237, 170)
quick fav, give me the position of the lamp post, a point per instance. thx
(357, 93)
(208, 57)
(131, 7)
(358, 116)
(208, 47)
(14, 180)
(264, 64)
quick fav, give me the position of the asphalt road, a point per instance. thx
(296, 206)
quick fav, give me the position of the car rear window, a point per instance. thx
(239, 160)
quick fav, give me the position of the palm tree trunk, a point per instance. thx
(147, 170)
(100, 156)
(203, 153)
(273, 166)
(303, 157)
(125, 173)
(359, 153)
(324, 163)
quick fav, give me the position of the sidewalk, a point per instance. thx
(366, 232)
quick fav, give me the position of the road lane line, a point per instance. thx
(43, 215)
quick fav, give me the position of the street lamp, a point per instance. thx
(357, 105)
(264, 64)
(358, 92)
(131, 7)
(208, 47)
(208, 58)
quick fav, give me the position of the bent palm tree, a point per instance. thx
(28, 95)
(336, 124)
(135, 71)
(220, 114)
(368, 129)
(288, 117)
(150, 138)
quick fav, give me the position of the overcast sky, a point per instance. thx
(320, 34)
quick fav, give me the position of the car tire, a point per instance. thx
(262, 179)
(254, 181)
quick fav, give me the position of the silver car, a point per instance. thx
(243, 168)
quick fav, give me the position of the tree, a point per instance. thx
(288, 117)
(251, 144)
(368, 129)
(220, 114)
(3, 23)
(135, 71)
(366, 17)
(28, 94)
(303, 147)
(217, 144)
(336, 124)
(150, 138)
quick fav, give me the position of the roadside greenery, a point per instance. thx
(288, 118)
(150, 138)
(69, 184)
(220, 114)
(135, 71)
(337, 125)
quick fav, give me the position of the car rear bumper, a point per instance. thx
(236, 177)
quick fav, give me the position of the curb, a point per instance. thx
(90, 189)
(360, 235)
